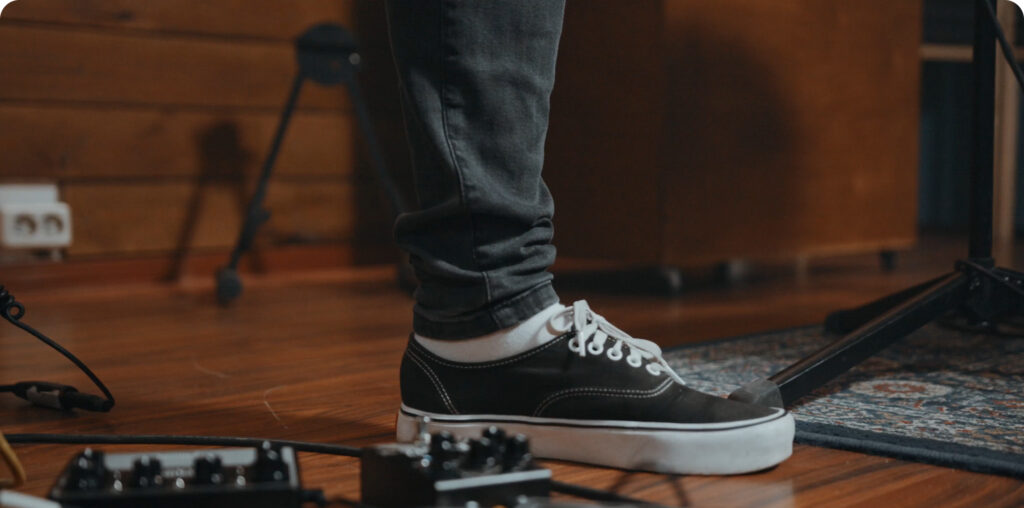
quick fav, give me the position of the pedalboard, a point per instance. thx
(264, 477)
(440, 470)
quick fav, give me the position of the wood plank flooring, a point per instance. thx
(314, 356)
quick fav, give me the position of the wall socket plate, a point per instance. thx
(31, 217)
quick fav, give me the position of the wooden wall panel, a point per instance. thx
(59, 64)
(154, 116)
(604, 139)
(88, 142)
(681, 130)
(271, 19)
(690, 132)
(134, 218)
(793, 128)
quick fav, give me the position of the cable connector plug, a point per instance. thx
(62, 397)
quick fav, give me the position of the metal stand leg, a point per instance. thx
(847, 320)
(229, 285)
(820, 367)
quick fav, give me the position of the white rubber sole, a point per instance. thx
(710, 449)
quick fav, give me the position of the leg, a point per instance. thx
(813, 371)
(476, 79)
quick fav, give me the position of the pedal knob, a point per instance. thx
(517, 452)
(446, 455)
(496, 435)
(269, 466)
(208, 470)
(88, 471)
(442, 446)
(481, 454)
(497, 438)
(146, 472)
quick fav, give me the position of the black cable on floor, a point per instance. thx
(596, 494)
(52, 394)
(166, 439)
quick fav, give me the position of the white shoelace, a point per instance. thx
(593, 332)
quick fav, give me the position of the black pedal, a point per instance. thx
(265, 477)
(440, 470)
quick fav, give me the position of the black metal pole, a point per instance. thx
(255, 215)
(841, 355)
(398, 204)
(980, 248)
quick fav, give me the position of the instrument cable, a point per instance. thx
(46, 394)
(167, 439)
(1008, 53)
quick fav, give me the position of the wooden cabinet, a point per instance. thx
(691, 132)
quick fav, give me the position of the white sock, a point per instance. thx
(500, 344)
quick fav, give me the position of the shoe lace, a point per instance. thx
(594, 332)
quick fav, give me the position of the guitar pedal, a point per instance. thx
(265, 477)
(440, 470)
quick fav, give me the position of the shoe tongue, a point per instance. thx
(561, 322)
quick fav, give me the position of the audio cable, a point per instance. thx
(43, 393)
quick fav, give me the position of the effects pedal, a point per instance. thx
(440, 470)
(237, 477)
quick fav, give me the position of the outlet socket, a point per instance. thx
(32, 218)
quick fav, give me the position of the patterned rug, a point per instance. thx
(939, 396)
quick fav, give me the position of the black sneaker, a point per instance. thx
(595, 395)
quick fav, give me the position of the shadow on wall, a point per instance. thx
(379, 82)
(669, 139)
(732, 147)
(223, 161)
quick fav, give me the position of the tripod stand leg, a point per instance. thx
(847, 320)
(229, 285)
(804, 376)
(398, 204)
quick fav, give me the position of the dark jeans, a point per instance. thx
(476, 78)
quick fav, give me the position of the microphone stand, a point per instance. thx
(326, 54)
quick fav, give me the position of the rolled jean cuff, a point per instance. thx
(494, 318)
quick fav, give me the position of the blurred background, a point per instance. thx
(684, 134)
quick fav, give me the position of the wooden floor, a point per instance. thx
(315, 357)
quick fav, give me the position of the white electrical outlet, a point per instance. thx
(31, 217)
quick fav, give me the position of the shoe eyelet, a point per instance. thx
(574, 345)
(634, 361)
(654, 369)
(595, 349)
(615, 354)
